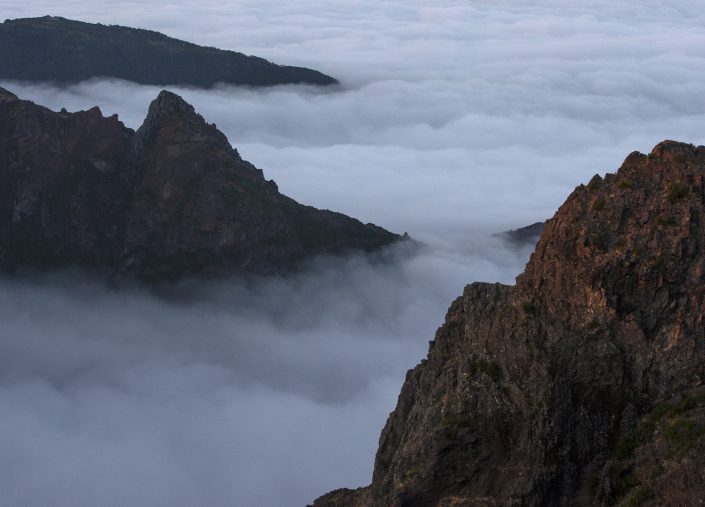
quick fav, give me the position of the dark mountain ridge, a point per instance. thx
(59, 50)
(172, 199)
(528, 235)
(583, 384)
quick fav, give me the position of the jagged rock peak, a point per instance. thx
(168, 102)
(171, 110)
(169, 105)
(7, 95)
(604, 227)
(584, 384)
(169, 201)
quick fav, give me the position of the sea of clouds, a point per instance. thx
(453, 120)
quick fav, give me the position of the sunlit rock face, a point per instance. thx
(172, 199)
(583, 384)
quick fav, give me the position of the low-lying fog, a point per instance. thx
(259, 394)
(453, 120)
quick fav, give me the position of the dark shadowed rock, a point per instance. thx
(528, 235)
(582, 385)
(172, 199)
(61, 50)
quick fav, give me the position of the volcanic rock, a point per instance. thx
(528, 235)
(172, 199)
(583, 384)
(59, 50)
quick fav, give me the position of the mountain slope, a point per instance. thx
(584, 384)
(528, 235)
(61, 50)
(173, 198)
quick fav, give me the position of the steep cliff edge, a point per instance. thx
(584, 383)
(172, 199)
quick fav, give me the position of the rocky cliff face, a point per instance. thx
(584, 383)
(62, 50)
(173, 198)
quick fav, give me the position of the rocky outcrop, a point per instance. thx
(172, 199)
(582, 385)
(528, 235)
(60, 50)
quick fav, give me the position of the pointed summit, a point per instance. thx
(170, 106)
(171, 200)
(171, 114)
(567, 388)
(169, 102)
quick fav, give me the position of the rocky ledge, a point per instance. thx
(582, 385)
(170, 200)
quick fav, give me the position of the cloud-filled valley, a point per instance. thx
(453, 120)
(256, 392)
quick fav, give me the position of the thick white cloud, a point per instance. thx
(254, 393)
(462, 100)
(453, 120)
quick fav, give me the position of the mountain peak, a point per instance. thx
(169, 101)
(170, 200)
(577, 376)
(634, 215)
(168, 104)
(171, 113)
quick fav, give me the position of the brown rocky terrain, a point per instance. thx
(583, 384)
(171, 199)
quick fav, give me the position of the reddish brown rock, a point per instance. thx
(583, 384)
(172, 199)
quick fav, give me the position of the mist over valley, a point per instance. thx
(451, 122)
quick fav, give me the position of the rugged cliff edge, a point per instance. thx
(584, 383)
(172, 199)
(62, 50)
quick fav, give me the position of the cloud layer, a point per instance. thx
(250, 393)
(453, 120)
(446, 107)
